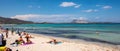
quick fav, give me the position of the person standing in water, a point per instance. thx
(1, 29)
(7, 30)
(97, 32)
(12, 30)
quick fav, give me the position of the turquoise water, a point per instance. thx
(106, 33)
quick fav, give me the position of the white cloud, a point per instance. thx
(24, 17)
(45, 18)
(77, 6)
(97, 17)
(69, 4)
(90, 10)
(107, 7)
(98, 5)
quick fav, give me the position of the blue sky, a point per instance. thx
(61, 10)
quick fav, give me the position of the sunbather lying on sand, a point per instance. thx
(53, 41)
(19, 41)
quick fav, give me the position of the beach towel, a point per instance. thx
(14, 45)
(56, 43)
(28, 43)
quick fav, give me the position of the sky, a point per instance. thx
(61, 10)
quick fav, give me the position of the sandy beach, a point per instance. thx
(39, 44)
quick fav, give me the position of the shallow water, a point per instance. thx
(106, 33)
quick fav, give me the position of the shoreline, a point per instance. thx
(77, 41)
(40, 43)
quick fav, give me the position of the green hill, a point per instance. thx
(13, 21)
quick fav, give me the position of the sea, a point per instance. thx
(104, 33)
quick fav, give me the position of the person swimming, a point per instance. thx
(97, 33)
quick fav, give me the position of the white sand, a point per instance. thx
(66, 45)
